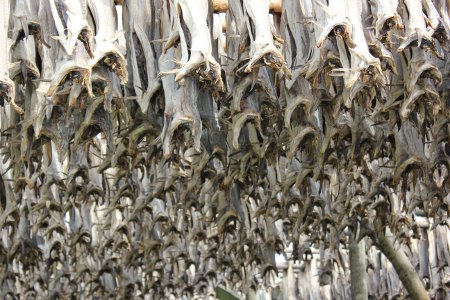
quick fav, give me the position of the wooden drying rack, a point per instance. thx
(222, 5)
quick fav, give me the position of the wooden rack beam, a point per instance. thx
(222, 5)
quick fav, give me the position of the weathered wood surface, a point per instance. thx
(158, 150)
(222, 5)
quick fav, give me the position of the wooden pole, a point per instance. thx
(222, 6)
(275, 6)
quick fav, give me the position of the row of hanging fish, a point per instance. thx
(157, 149)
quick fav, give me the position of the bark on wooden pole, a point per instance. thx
(403, 267)
(358, 266)
(222, 5)
(275, 6)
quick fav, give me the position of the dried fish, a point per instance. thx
(142, 58)
(71, 15)
(262, 38)
(106, 49)
(7, 88)
(387, 19)
(180, 106)
(195, 39)
(163, 149)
